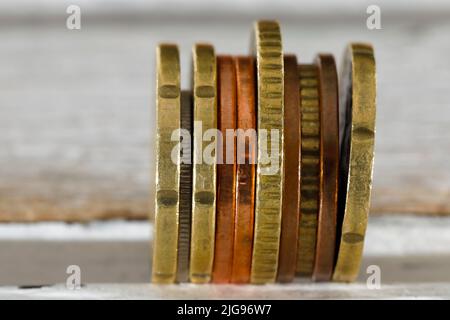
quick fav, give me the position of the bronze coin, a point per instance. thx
(291, 189)
(329, 166)
(246, 170)
(310, 168)
(226, 170)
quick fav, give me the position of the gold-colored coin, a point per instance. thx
(269, 176)
(204, 170)
(358, 94)
(309, 168)
(165, 241)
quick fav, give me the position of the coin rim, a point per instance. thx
(269, 65)
(245, 172)
(185, 205)
(165, 241)
(306, 250)
(360, 70)
(329, 165)
(203, 215)
(226, 172)
(291, 190)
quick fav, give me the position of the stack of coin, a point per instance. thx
(264, 169)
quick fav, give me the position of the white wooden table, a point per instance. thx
(413, 254)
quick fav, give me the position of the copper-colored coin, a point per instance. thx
(246, 170)
(310, 168)
(226, 169)
(291, 189)
(329, 163)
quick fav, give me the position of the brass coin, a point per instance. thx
(204, 167)
(184, 229)
(310, 167)
(329, 163)
(358, 94)
(165, 243)
(291, 189)
(246, 170)
(226, 171)
(269, 176)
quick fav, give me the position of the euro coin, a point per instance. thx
(246, 169)
(291, 189)
(310, 167)
(269, 175)
(204, 167)
(329, 164)
(165, 243)
(226, 170)
(358, 94)
(184, 229)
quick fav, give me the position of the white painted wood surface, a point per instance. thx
(298, 291)
(77, 111)
(413, 254)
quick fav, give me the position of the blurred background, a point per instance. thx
(77, 120)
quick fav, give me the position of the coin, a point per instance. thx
(226, 170)
(291, 189)
(246, 169)
(310, 167)
(358, 94)
(269, 175)
(204, 167)
(185, 206)
(165, 243)
(329, 162)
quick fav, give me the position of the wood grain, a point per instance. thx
(118, 253)
(76, 126)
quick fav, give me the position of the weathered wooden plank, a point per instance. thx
(299, 291)
(120, 252)
(76, 109)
